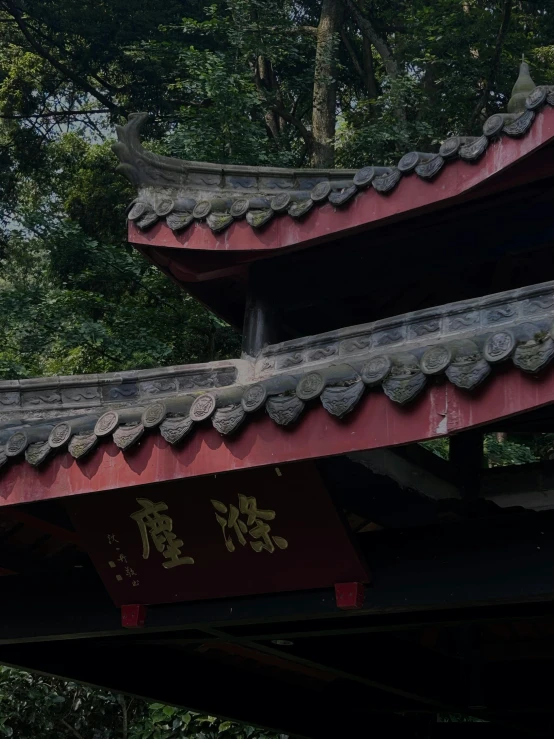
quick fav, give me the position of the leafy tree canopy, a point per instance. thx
(284, 82)
(33, 706)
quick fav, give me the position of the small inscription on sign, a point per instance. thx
(214, 537)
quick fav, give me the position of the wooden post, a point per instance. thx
(259, 317)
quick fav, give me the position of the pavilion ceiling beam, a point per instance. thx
(373, 663)
(21, 562)
(39, 524)
(526, 485)
(443, 619)
(406, 473)
(529, 486)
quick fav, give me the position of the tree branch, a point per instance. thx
(54, 114)
(71, 729)
(124, 716)
(265, 80)
(278, 108)
(502, 32)
(369, 69)
(308, 30)
(368, 30)
(352, 54)
(16, 14)
(296, 122)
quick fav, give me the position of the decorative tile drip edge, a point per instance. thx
(182, 192)
(516, 327)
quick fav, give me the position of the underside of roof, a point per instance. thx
(461, 342)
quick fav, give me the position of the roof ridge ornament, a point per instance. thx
(523, 86)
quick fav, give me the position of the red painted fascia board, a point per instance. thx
(376, 422)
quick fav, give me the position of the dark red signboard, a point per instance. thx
(257, 531)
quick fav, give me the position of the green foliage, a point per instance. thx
(33, 706)
(501, 450)
(72, 304)
(167, 722)
(440, 447)
(228, 81)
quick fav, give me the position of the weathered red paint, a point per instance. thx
(307, 554)
(412, 195)
(349, 595)
(133, 616)
(376, 422)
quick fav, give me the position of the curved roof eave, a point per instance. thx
(220, 208)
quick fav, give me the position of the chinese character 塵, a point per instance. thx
(160, 529)
(255, 526)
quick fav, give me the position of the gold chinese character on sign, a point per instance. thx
(159, 529)
(255, 526)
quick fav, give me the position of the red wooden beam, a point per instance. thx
(376, 422)
(38, 524)
(455, 183)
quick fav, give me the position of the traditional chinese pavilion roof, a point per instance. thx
(461, 343)
(180, 192)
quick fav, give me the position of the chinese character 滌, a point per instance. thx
(255, 526)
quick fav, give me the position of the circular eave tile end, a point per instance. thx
(60, 435)
(435, 360)
(153, 415)
(107, 423)
(203, 407)
(320, 192)
(17, 443)
(310, 386)
(202, 209)
(376, 370)
(499, 346)
(254, 398)
(240, 207)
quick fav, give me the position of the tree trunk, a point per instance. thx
(325, 85)
(265, 72)
(369, 71)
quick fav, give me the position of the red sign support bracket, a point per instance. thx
(349, 595)
(133, 616)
